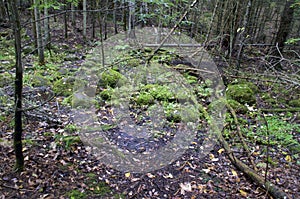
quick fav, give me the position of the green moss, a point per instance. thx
(76, 194)
(111, 78)
(237, 107)
(159, 92)
(133, 62)
(36, 80)
(251, 85)
(145, 99)
(177, 112)
(241, 93)
(6, 79)
(106, 94)
(294, 103)
(64, 86)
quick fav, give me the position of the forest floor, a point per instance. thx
(59, 165)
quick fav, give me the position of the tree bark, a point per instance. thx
(19, 165)
(285, 24)
(65, 19)
(46, 26)
(39, 33)
(84, 19)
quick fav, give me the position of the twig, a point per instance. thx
(38, 106)
(240, 135)
(193, 69)
(172, 30)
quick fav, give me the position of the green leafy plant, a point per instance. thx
(76, 194)
(280, 133)
(71, 128)
(67, 141)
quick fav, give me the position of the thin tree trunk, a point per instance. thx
(39, 34)
(93, 4)
(84, 19)
(18, 89)
(73, 22)
(65, 20)
(46, 27)
(124, 16)
(115, 17)
(34, 28)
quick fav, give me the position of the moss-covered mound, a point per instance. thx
(242, 93)
(36, 80)
(158, 92)
(145, 99)
(110, 78)
(64, 86)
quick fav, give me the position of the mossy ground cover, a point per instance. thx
(283, 135)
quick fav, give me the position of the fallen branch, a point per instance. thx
(272, 189)
(296, 109)
(238, 128)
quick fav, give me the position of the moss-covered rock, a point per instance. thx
(64, 86)
(110, 78)
(133, 62)
(81, 100)
(159, 92)
(294, 103)
(251, 85)
(37, 80)
(241, 93)
(145, 99)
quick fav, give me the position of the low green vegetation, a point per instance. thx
(281, 133)
(76, 194)
(71, 128)
(67, 141)
(64, 86)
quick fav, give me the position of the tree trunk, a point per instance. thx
(65, 19)
(46, 26)
(2, 11)
(18, 88)
(39, 33)
(93, 4)
(124, 16)
(73, 22)
(285, 24)
(114, 16)
(84, 19)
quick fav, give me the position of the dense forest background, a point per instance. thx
(254, 44)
